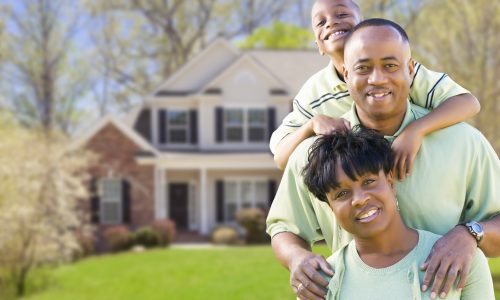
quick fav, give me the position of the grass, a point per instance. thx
(221, 273)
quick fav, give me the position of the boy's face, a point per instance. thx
(331, 21)
(366, 206)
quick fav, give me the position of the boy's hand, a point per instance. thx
(323, 125)
(405, 148)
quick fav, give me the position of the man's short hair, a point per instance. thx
(358, 151)
(377, 22)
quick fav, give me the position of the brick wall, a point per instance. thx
(116, 154)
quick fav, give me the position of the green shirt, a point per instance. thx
(325, 94)
(455, 177)
(354, 279)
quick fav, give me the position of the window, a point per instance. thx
(245, 125)
(178, 130)
(234, 125)
(257, 125)
(244, 194)
(111, 201)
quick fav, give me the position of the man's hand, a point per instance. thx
(322, 125)
(305, 280)
(405, 148)
(450, 256)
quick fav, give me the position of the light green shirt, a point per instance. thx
(455, 177)
(354, 279)
(325, 94)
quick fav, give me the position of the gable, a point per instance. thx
(247, 81)
(200, 69)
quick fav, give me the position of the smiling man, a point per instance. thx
(455, 179)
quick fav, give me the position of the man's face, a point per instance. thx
(331, 21)
(366, 206)
(378, 70)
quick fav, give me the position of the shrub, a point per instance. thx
(165, 230)
(225, 235)
(253, 220)
(117, 238)
(146, 237)
(86, 241)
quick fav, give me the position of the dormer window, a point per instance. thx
(178, 126)
(245, 125)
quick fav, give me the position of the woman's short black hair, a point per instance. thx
(358, 151)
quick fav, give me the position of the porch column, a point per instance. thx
(161, 208)
(204, 210)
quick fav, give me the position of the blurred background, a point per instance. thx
(70, 67)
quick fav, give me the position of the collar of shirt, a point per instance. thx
(410, 116)
(337, 84)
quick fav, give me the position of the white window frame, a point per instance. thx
(171, 127)
(245, 125)
(114, 199)
(239, 200)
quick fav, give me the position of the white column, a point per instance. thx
(160, 195)
(204, 210)
(154, 126)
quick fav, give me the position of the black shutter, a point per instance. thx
(143, 124)
(271, 120)
(219, 190)
(162, 119)
(219, 124)
(193, 126)
(125, 201)
(271, 191)
(94, 201)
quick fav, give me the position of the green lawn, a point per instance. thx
(229, 273)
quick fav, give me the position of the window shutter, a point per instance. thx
(193, 126)
(219, 124)
(125, 201)
(219, 190)
(271, 120)
(94, 201)
(271, 191)
(143, 124)
(163, 125)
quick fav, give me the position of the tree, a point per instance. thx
(461, 38)
(279, 36)
(42, 80)
(41, 184)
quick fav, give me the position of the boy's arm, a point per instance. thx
(454, 110)
(317, 125)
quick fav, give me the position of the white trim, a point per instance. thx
(204, 207)
(129, 132)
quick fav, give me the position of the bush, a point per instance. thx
(117, 238)
(253, 220)
(225, 235)
(146, 236)
(165, 230)
(86, 241)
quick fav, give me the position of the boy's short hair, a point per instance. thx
(358, 151)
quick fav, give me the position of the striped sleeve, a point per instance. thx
(429, 89)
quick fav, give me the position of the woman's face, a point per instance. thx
(366, 206)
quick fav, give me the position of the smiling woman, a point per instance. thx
(351, 171)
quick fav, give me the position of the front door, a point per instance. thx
(178, 196)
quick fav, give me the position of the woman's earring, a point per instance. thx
(397, 203)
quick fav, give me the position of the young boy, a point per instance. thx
(351, 172)
(323, 99)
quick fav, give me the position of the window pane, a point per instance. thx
(256, 134)
(257, 116)
(234, 134)
(177, 117)
(230, 199)
(178, 135)
(110, 212)
(111, 190)
(246, 194)
(234, 116)
(262, 194)
(230, 211)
